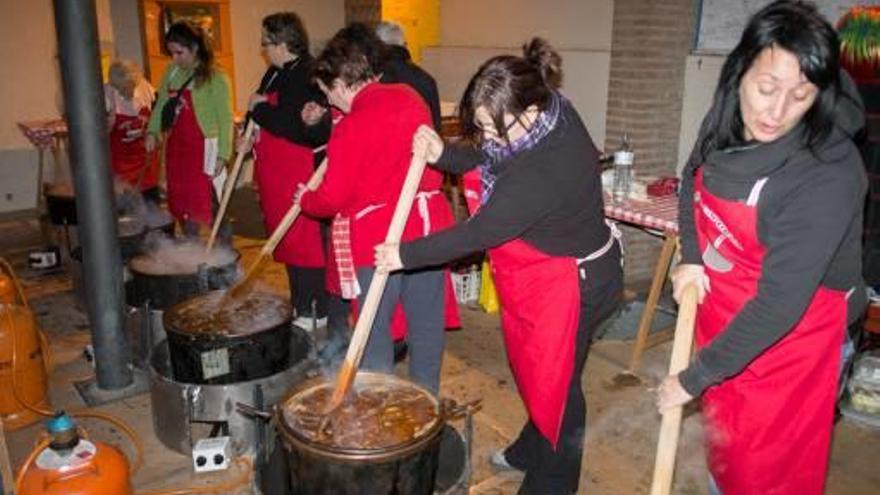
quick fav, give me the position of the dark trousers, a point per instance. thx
(306, 289)
(422, 295)
(152, 195)
(550, 471)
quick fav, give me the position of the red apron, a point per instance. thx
(768, 429)
(279, 166)
(128, 156)
(540, 306)
(189, 188)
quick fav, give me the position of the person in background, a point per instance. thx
(398, 67)
(128, 98)
(194, 111)
(555, 261)
(368, 154)
(284, 157)
(434, 208)
(771, 224)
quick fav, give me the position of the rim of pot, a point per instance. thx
(299, 441)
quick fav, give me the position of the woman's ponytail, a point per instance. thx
(543, 57)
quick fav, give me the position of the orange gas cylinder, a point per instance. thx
(7, 289)
(21, 349)
(70, 465)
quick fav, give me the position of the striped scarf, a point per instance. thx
(498, 153)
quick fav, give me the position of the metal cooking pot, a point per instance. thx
(247, 339)
(61, 208)
(165, 290)
(316, 468)
(131, 233)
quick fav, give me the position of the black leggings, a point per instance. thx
(558, 471)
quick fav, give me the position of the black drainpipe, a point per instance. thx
(76, 25)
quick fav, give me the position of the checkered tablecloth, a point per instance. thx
(655, 213)
(42, 133)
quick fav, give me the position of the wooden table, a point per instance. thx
(656, 216)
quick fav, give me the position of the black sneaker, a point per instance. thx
(401, 349)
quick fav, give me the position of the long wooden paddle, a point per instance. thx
(277, 234)
(670, 426)
(228, 187)
(377, 285)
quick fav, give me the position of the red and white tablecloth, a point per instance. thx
(659, 213)
(42, 133)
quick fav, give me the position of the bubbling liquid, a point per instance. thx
(373, 416)
(170, 257)
(213, 314)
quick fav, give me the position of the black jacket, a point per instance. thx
(809, 221)
(549, 196)
(399, 68)
(295, 89)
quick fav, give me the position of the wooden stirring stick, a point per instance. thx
(377, 285)
(670, 426)
(228, 187)
(277, 235)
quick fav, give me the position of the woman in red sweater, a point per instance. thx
(368, 157)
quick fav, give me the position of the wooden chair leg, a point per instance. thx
(660, 271)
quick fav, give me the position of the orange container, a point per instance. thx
(7, 289)
(93, 468)
(19, 327)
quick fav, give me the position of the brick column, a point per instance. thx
(649, 45)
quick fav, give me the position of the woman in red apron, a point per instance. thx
(284, 157)
(128, 99)
(771, 224)
(555, 261)
(194, 109)
(368, 155)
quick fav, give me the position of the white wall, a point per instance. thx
(700, 77)
(30, 88)
(471, 32)
(567, 24)
(127, 30)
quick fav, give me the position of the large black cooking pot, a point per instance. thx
(131, 233)
(61, 208)
(164, 290)
(319, 469)
(218, 341)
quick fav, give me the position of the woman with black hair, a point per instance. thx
(771, 221)
(555, 261)
(194, 110)
(284, 157)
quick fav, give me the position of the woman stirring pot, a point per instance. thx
(771, 222)
(555, 261)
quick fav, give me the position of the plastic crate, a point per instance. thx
(466, 285)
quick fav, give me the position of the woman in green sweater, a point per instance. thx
(194, 113)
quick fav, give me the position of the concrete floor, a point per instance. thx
(622, 422)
